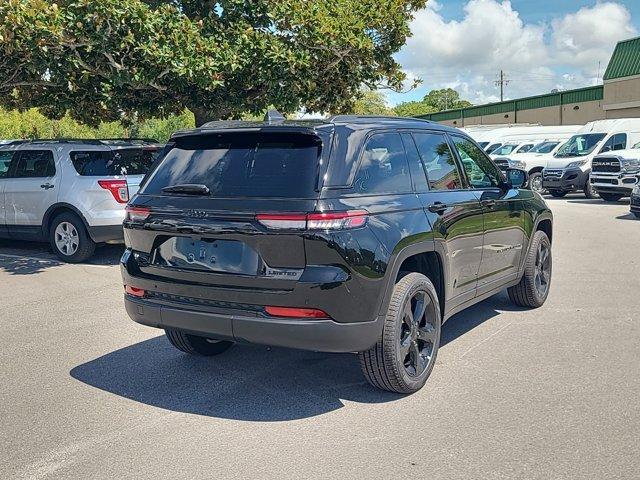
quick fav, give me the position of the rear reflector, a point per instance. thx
(137, 214)
(314, 221)
(134, 291)
(118, 189)
(290, 312)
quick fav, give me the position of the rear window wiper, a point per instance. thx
(188, 189)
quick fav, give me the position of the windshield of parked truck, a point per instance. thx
(505, 149)
(544, 147)
(637, 145)
(491, 148)
(580, 145)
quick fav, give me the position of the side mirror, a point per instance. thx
(517, 178)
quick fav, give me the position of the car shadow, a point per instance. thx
(29, 258)
(249, 382)
(596, 201)
(628, 216)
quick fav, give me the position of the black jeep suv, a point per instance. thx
(352, 234)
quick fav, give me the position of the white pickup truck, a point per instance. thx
(614, 174)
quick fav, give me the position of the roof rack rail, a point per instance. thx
(92, 141)
(352, 118)
(4, 143)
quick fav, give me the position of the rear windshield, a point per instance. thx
(135, 161)
(242, 165)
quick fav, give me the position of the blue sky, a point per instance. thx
(541, 45)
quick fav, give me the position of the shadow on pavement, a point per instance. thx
(628, 216)
(249, 382)
(28, 258)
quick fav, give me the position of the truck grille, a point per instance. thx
(605, 165)
(553, 173)
(502, 163)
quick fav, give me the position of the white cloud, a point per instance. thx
(468, 54)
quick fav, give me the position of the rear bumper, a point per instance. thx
(106, 233)
(305, 334)
(570, 180)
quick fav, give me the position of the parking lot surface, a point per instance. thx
(549, 393)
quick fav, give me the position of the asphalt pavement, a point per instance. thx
(550, 393)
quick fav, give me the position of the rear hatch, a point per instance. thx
(228, 209)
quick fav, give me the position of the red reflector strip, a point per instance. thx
(118, 189)
(288, 221)
(291, 312)
(134, 291)
(137, 214)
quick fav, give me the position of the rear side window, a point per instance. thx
(383, 166)
(34, 164)
(242, 165)
(134, 161)
(438, 161)
(5, 160)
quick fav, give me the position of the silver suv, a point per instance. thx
(71, 193)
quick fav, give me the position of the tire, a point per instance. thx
(403, 358)
(558, 193)
(610, 197)
(79, 246)
(195, 345)
(533, 289)
(535, 182)
(589, 191)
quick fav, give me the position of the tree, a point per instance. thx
(112, 60)
(371, 103)
(434, 101)
(445, 99)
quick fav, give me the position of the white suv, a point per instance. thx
(71, 193)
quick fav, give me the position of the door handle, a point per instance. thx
(437, 207)
(488, 203)
(46, 186)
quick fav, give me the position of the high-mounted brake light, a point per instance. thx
(314, 221)
(137, 214)
(135, 291)
(292, 312)
(118, 189)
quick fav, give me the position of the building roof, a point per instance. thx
(625, 61)
(579, 95)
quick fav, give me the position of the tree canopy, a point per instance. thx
(109, 60)
(434, 101)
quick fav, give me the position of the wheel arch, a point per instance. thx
(423, 257)
(536, 170)
(56, 209)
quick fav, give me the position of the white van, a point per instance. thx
(570, 167)
(501, 136)
(534, 160)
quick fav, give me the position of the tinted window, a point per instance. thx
(615, 142)
(491, 148)
(438, 161)
(415, 164)
(383, 166)
(5, 160)
(525, 148)
(34, 164)
(544, 147)
(135, 161)
(480, 170)
(242, 165)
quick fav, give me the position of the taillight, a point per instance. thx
(293, 312)
(118, 189)
(336, 220)
(314, 221)
(137, 214)
(135, 291)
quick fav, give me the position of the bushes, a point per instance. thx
(32, 124)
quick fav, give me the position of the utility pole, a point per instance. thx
(502, 82)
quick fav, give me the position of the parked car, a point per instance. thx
(499, 137)
(570, 168)
(71, 193)
(614, 175)
(635, 199)
(352, 234)
(518, 146)
(534, 160)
